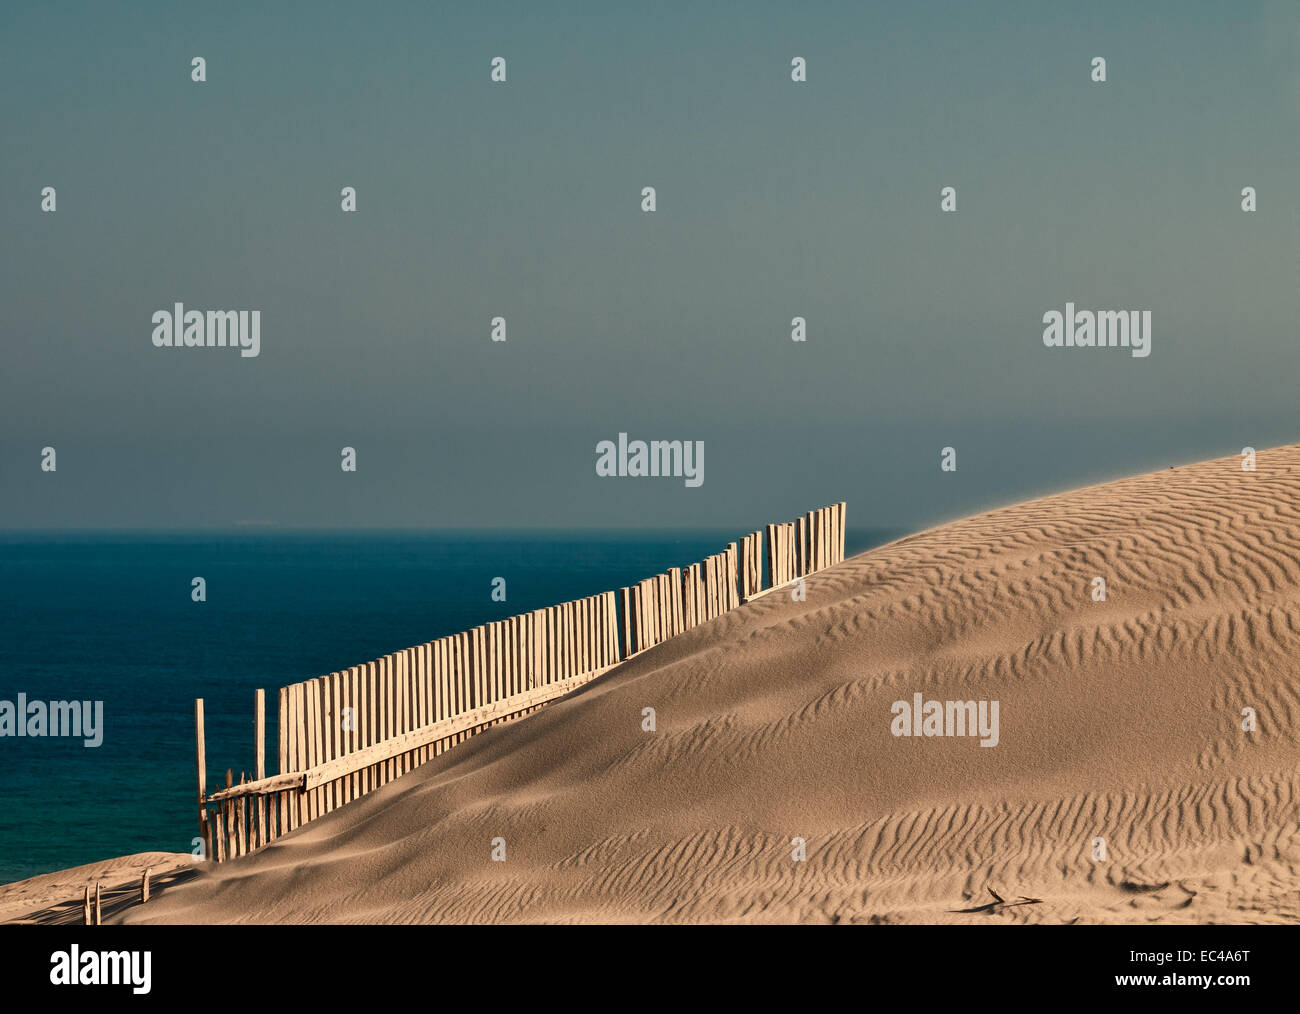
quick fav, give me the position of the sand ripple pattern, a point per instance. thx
(1121, 723)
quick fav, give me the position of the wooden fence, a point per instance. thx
(348, 733)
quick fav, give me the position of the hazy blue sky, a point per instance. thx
(775, 199)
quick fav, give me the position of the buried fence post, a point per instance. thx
(144, 885)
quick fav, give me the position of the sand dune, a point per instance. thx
(1118, 719)
(57, 898)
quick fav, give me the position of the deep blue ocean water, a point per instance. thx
(110, 618)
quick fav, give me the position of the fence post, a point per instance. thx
(733, 599)
(201, 760)
(259, 764)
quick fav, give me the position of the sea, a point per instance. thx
(111, 618)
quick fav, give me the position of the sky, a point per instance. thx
(523, 199)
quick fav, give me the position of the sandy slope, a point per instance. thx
(1119, 719)
(57, 898)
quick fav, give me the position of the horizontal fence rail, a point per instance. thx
(344, 735)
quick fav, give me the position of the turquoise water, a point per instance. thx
(109, 618)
